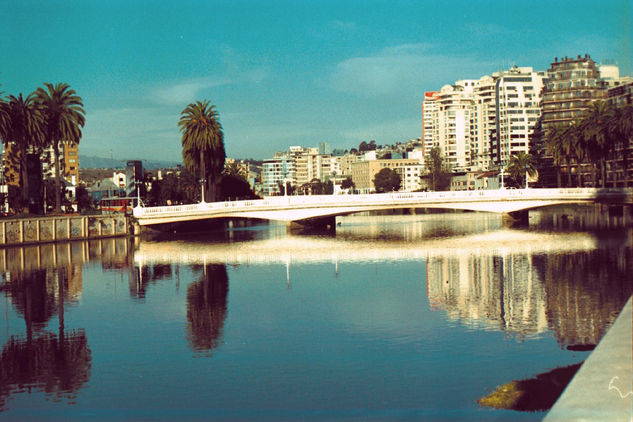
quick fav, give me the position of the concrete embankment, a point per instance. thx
(602, 389)
(24, 231)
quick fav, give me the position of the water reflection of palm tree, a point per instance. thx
(58, 364)
(585, 292)
(206, 307)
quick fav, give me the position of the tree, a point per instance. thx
(84, 202)
(555, 146)
(387, 180)
(438, 172)
(64, 117)
(623, 133)
(174, 188)
(203, 143)
(235, 187)
(20, 130)
(348, 184)
(520, 166)
(597, 133)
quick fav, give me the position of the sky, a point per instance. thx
(284, 73)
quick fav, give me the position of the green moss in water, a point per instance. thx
(534, 394)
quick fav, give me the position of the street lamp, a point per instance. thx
(138, 192)
(202, 182)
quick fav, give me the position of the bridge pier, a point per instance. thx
(517, 218)
(320, 224)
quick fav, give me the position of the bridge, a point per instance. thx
(304, 209)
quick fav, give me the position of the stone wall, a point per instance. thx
(62, 228)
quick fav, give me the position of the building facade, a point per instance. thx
(572, 85)
(517, 110)
(363, 173)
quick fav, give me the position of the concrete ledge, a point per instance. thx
(602, 389)
(36, 230)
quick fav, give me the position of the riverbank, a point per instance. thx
(602, 389)
(33, 230)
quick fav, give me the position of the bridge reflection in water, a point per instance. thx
(518, 281)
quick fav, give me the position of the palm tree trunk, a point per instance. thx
(569, 174)
(24, 178)
(58, 197)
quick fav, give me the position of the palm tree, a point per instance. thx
(555, 145)
(575, 150)
(63, 119)
(521, 164)
(202, 143)
(598, 136)
(622, 132)
(20, 130)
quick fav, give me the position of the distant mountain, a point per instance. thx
(91, 162)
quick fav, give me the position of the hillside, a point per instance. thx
(92, 162)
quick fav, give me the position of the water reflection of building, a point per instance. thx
(496, 291)
(577, 295)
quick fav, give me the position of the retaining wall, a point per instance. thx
(62, 228)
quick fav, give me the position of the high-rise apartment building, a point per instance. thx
(478, 124)
(518, 108)
(454, 113)
(573, 84)
(429, 120)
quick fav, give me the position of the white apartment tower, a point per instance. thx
(429, 121)
(478, 124)
(518, 107)
(454, 114)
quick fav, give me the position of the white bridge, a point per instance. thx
(316, 207)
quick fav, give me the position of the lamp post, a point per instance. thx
(202, 182)
(138, 192)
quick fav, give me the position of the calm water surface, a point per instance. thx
(407, 317)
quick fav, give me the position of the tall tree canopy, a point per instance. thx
(598, 140)
(439, 174)
(520, 166)
(20, 130)
(387, 180)
(63, 114)
(203, 143)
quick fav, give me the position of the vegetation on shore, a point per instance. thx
(596, 143)
(47, 118)
(534, 394)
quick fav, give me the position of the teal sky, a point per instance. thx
(284, 73)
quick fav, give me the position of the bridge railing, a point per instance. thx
(280, 202)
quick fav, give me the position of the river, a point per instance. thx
(392, 317)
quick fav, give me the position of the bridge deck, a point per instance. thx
(296, 208)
